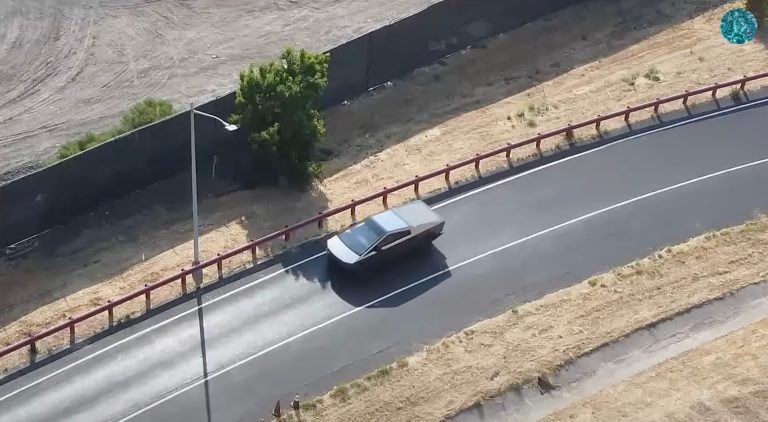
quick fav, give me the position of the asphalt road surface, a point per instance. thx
(301, 330)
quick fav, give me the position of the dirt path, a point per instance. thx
(534, 339)
(721, 381)
(586, 60)
(74, 65)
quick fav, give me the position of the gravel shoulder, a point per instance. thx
(583, 61)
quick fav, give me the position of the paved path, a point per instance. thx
(279, 332)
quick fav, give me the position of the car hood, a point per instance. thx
(341, 251)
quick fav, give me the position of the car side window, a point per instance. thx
(391, 238)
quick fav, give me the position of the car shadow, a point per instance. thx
(392, 285)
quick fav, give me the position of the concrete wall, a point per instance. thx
(51, 196)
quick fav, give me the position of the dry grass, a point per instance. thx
(438, 115)
(723, 380)
(537, 338)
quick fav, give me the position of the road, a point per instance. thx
(300, 330)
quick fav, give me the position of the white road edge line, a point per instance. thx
(620, 141)
(442, 204)
(461, 264)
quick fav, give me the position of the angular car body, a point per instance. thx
(386, 235)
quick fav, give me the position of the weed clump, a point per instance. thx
(340, 393)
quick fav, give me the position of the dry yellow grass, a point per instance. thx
(576, 60)
(723, 380)
(534, 339)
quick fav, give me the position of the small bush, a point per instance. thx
(340, 393)
(383, 372)
(630, 80)
(308, 406)
(358, 387)
(402, 363)
(653, 74)
(735, 95)
(148, 111)
(531, 123)
(140, 114)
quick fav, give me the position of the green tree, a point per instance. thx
(277, 103)
(147, 111)
(140, 114)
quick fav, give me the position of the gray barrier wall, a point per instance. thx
(51, 196)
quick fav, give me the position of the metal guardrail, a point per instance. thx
(321, 217)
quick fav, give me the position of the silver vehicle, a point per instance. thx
(385, 235)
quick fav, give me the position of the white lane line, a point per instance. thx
(461, 264)
(442, 204)
(154, 327)
(629, 138)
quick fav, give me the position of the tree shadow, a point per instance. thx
(126, 232)
(494, 70)
(762, 35)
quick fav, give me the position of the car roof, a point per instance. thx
(417, 215)
(389, 221)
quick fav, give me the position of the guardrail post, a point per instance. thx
(220, 267)
(626, 114)
(147, 299)
(508, 154)
(384, 198)
(597, 124)
(287, 235)
(352, 211)
(416, 186)
(71, 333)
(714, 90)
(320, 221)
(656, 106)
(569, 135)
(685, 99)
(448, 177)
(110, 314)
(743, 85)
(538, 145)
(477, 166)
(32, 352)
(183, 283)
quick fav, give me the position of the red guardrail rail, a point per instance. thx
(320, 218)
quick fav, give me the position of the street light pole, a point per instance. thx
(195, 227)
(194, 185)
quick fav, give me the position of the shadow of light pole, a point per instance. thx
(203, 354)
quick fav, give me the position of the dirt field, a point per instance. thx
(534, 339)
(74, 65)
(721, 381)
(598, 57)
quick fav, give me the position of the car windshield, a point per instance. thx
(362, 236)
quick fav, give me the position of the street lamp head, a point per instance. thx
(230, 127)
